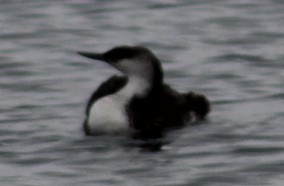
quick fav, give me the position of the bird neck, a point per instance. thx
(136, 86)
(144, 83)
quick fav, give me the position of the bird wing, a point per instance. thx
(110, 86)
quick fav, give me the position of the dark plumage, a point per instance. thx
(160, 107)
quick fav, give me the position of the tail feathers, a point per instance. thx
(198, 104)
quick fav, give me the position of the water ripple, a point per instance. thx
(231, 51)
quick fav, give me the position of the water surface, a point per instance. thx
(231, 51)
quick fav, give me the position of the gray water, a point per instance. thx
(230, 50)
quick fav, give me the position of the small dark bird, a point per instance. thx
(139, 101)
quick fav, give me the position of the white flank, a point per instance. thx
(108, 114)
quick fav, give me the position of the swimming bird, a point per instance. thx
(138, 101)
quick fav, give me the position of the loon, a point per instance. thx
(138, 100)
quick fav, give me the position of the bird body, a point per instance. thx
(139, 101)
